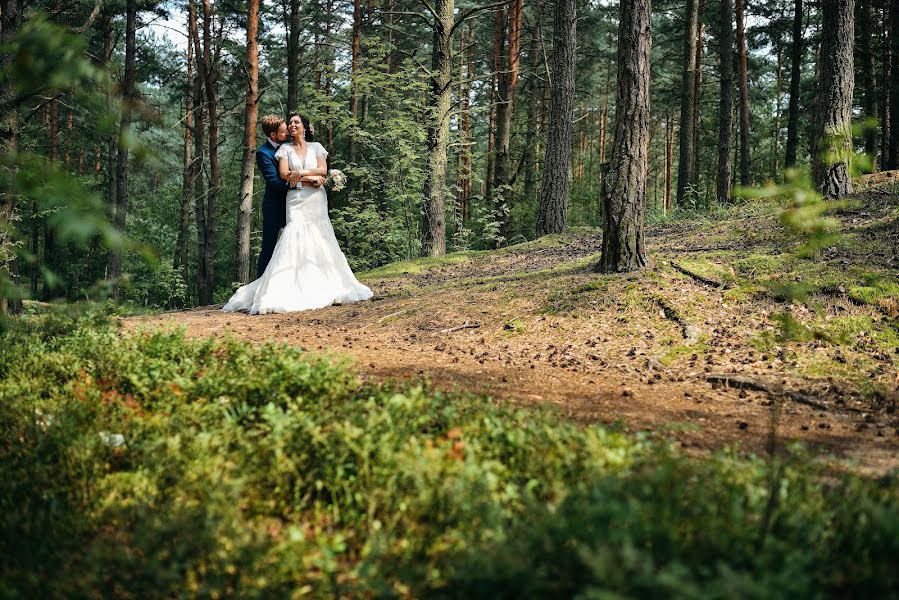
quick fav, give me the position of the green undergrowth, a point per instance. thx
(149, 465)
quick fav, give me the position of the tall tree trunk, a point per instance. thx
(795, 81)
(725, 102)
(557, 160)
(604, 117)
(866, 54)
(499, 32)
(51, 252)
(293, 56)
(466, 63)
(894, 86)
(182, 256)
(251, 112)
(624, 192)
(697, 94)
(507, 82)
(329, 75)
(208, 69)
(669, 152)
(437, 136)
(536, 92)
(830, 165)
(10, 22)
(128, 99)
(775, 167)
(743, 75)
(355, 49)
(686, 168)
(886, 119)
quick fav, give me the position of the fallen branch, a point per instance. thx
(690, 332)
(696, 276)
(465, 325)
(737, 381)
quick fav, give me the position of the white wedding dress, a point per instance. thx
(307, 270)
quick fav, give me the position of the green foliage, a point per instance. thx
(264, 472)
(41, 60)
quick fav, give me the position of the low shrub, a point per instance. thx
(149, 465)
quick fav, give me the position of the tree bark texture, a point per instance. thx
(251, 111)
(830, 165)
(624, 192)
(507, 82)
(128, 99)
(725, 103)
(743, 76)
(686, 168)
(437, 136)
(795, 81)
(554, 187)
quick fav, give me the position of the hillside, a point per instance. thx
(686, 349)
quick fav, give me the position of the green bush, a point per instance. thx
(265, 472)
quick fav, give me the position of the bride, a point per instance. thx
(307, 269)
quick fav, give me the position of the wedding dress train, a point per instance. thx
(307, 270)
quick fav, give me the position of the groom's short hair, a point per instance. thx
(270, 124)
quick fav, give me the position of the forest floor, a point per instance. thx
(686, 350)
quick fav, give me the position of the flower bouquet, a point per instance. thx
(336, 180)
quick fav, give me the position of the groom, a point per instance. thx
(274, 202)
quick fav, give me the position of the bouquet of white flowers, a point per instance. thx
(336, 180)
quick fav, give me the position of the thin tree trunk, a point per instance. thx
(624, 193)
(329, 75)
(869, 100)
(293, 56)
(463, 188)
(182, 256)
(536, 92)
(251, 111)
(553, 206)
(354, 75)
(697, 95)
(437, 136)
(507, 82)
(894, 86)
(743, 75)
(686, 169)
(775, 168)
(207, 68)
(725, 103)
(795, 81)
(886, 119)
(669, 152)
(830, 165)
(129, 98)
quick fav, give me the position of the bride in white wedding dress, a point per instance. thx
(307, 270)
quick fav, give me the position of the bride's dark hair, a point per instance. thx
(306, 126)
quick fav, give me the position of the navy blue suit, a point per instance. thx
(274, 204)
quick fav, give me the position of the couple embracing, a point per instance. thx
(301, 266)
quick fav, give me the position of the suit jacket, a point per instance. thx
(275, 187)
